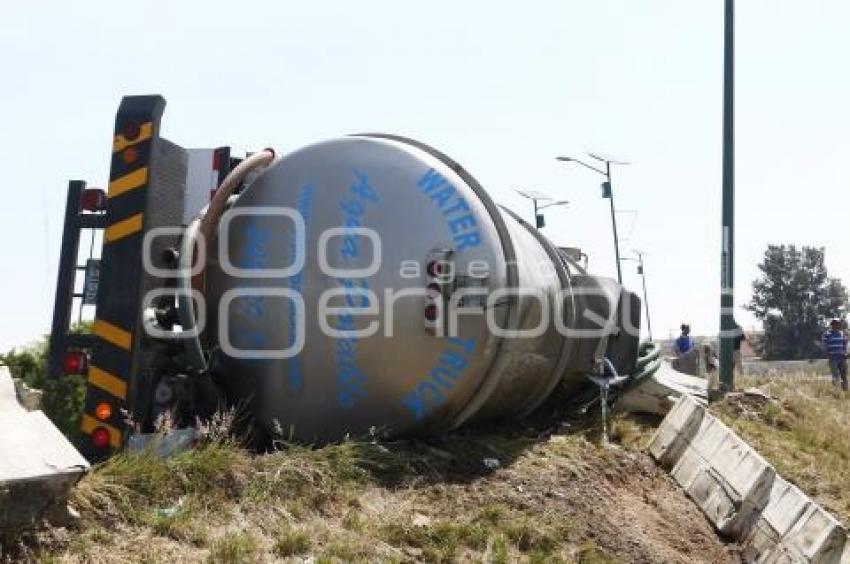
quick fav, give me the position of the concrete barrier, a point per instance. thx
(29, 398)
(659, 393)
(38, 466)
(728, 480)
(677, 431)
(741, 493)
(793, 528)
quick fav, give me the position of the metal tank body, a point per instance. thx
(404, 378)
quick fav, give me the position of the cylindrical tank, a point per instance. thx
(300, 231)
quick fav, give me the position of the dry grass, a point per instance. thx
(556, 497)
(804, 431)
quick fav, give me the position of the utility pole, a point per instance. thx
(727, 253)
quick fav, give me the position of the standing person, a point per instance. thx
(835, 346)
(684, 343)
(711, 360)
(711, 375)
(737, 340)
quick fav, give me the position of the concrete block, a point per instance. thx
(793, 528)
(741, 494)
(728, 480)
(29, 398)
(38, 466)
(787, 505)
(816, 537)
(676, 431)
(658, 393)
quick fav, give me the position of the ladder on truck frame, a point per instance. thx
(68, 352)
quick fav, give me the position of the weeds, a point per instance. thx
(352, 501)
(290, 542)
(235, 548)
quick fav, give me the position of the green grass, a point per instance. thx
(804, 431)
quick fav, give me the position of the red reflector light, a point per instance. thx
(93, 199)
(75, 362)
(129, 155)
(100, 437)
(131, 130)
(431, 312)
(433, 289)
(103, 411)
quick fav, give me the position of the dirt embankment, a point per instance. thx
(552, 496)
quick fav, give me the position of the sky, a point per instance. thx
(501, 87)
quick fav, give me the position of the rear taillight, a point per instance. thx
(438, 281)
(130, 155)
(431, 312)
(103, 411)
(100, 437)
(93, 200)
(75, 362)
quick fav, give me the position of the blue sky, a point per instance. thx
(502, 87)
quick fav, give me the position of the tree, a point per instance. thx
(795, 298)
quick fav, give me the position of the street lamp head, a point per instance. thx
(534, 195)
(564, 159)
(551, 204)
(602, 157)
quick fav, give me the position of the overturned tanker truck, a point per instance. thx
(362, 285)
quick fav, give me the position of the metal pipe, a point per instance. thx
(209, 221)
(185, 303)
(204, 227)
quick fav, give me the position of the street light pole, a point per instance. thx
(642, 273)
(645, 295)
(614, 220)
(536, 197)
(607, 192)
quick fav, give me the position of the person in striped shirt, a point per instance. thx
(835, 346)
